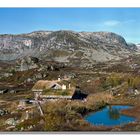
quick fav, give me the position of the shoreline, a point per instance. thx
(122, 112)
(132, 112)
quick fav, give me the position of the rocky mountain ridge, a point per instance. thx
(73, 48)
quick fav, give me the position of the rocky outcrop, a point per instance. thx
(27, 63)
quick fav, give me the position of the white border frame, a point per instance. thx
(69, 3)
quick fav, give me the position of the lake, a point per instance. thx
(109, 116)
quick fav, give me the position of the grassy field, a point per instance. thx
(107, 86)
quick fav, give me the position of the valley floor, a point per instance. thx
(112, 83)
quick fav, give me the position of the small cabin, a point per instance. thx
(48, 88)
(57, 90)
(46, 84)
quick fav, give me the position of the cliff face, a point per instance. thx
(74, 48)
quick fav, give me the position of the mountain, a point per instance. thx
(74, 48)
(138, 45)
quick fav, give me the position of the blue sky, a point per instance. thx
(123, 21)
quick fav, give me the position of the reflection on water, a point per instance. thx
(109, 116)
(113, 113)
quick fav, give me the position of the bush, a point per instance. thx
(114, 80)
(134, 82)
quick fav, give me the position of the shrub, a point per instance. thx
(133, 82)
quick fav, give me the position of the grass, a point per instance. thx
(57, 92)
(65, 115)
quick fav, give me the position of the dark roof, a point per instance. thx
(80, 95)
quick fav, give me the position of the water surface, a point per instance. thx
(109, 116)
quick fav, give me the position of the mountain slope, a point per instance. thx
(74, 48)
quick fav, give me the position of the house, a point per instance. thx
(46, 84)
(57, 90)
(51, 89)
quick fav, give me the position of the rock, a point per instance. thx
(12, 91)
(88, 81)
(136, 92)
(3, 112)
(3, 91)
(26, 63)
(10, 128)
(22, 129)
(7, 74)
(29, 80)
(38, 76)
(30, 127)
(11, 121)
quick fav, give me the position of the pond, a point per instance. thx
(109, 116)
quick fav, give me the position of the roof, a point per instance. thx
(44, 84)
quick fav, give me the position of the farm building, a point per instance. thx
(46, 84)
(56, 90)
(52, 89)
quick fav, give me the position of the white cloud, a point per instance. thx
(112, 23)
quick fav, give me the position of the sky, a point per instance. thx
(123, 21)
